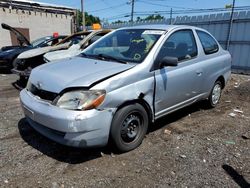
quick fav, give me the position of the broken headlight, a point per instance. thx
(81, 100)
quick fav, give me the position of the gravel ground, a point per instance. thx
(194, 147)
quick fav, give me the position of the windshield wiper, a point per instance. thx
(84, 55)
(107, 57)
(103, 57)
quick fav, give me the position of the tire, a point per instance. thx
(129, 127)
(22, 82)
(215, 95)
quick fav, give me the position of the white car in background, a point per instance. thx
(75, 49)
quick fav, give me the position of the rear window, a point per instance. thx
(209, 45)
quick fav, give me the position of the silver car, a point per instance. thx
(122, 83)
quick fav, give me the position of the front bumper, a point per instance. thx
(73, 128)
(5, 64)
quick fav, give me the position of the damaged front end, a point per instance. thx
(23, 68)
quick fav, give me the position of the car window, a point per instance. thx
(95, 38)
(40, 41)
(209, 45)
(130, 45)
(180, 44)
(75, 39)
(50, 42)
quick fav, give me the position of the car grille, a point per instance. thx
(43, 94)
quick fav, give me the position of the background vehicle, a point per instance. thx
(124, 81)
(75, 49)
(9, 53)
(33, 58)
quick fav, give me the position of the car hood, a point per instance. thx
(40, 51)
(12, 52)
(20, 37)
(62, 54)
(75, 72)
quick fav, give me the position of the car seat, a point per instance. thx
(181, 51)
(137, 49)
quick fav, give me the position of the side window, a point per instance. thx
(209, 45)
(180, 44)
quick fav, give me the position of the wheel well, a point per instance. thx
(13, 59)
(222, 80)
(141, 102)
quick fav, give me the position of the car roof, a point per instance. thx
(159, 27)
(84, 33)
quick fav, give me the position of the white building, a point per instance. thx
(35, 19)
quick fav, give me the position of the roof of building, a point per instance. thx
(34, 5)
(42, 4)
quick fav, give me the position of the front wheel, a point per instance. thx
(215, 94)
(129, 127)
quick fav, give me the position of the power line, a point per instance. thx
(177, 12)
(108, 8)
(193, 11)
(118, 16)
(162, 5)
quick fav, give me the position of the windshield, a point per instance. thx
(39, 41)
(130, 45)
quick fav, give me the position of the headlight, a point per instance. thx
(20, 62)
(81, 100)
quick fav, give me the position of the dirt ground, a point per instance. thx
(194, 147)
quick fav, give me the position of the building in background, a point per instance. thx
(35, 19)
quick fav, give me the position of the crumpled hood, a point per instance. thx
(75, 72)
(62, 54)
(40, 51)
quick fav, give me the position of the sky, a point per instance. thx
(113, 10)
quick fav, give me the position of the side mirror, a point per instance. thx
(169, 61)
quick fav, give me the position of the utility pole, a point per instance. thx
(230, 26)
(132, 11)
(83, 16)
(171, 14)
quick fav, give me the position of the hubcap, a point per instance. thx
(216, 94)
(131, 127)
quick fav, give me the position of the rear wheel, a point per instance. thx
(129, 127)
(215, 94)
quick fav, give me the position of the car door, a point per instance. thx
(177, 86)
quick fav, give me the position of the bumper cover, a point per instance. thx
(73, 128)
(5, 64)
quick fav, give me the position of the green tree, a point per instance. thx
(138, 19)
(118, 21)
(154, 17)
(89, 19)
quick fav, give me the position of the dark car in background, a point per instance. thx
(8, 54)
